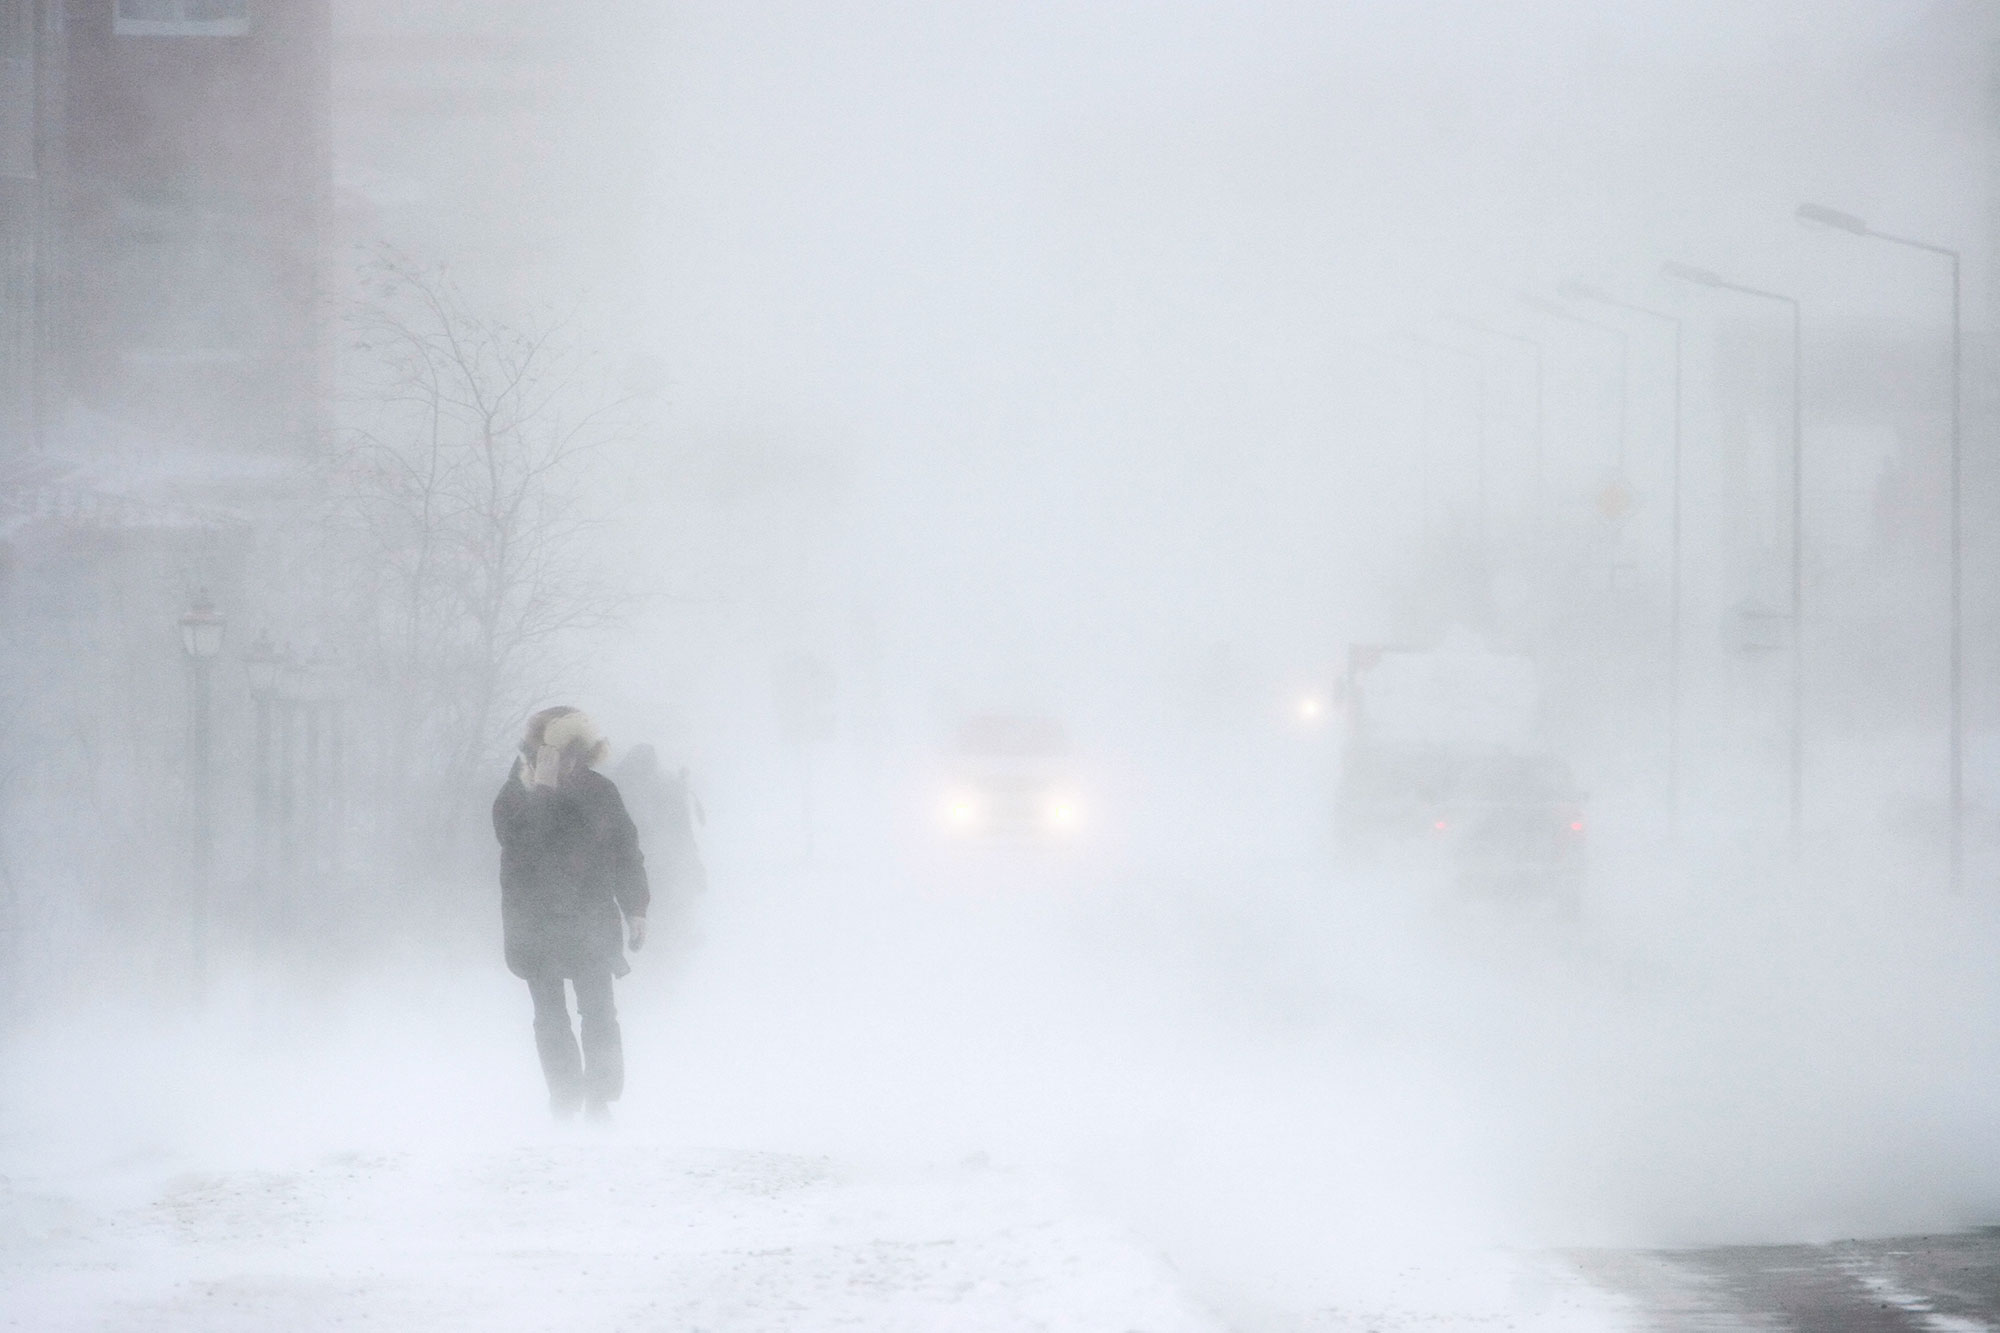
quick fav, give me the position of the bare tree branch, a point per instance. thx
(459, 489)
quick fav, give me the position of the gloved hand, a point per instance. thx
(635, 933)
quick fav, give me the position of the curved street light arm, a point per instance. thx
(1706, 278)
(1817, 214)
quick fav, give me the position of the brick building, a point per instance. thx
(165, 175)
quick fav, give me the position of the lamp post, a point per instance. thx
(1423, 370)
(1535, 349)
(1819, 215)
(306, 809)
(1702, 277)
(261, 664)
(1555, 311)
(1583, 292)
(1479, 429)
(317, 680)
(202, 629)
(332, 692)
(289, 690)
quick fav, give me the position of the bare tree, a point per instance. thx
(459, 488)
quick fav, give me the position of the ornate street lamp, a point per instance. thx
(202, 629)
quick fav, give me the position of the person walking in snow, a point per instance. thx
(570, 869)
(666, 810)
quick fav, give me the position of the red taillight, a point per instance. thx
(1440, 825)
(1576, 826)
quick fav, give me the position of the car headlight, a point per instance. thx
(1064, 813)
(961, 812)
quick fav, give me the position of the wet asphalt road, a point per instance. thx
(1930, 1283)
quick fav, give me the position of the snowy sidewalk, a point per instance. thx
(581, 1234)
(594, 1233)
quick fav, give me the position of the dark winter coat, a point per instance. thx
(569, 862)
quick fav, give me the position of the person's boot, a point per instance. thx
(597, 1112)
(562, 1064)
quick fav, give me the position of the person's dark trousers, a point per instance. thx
(597, 1073)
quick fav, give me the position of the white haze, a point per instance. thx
(1014, 357)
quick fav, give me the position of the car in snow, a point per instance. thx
(1443, 766)
(1011, 776)
(1512, 826)
(1497, 824)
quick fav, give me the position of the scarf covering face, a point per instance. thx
(570, 743)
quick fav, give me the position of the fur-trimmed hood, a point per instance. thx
(559, 742)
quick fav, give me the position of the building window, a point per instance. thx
(182, 18)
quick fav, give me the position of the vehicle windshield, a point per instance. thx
(1012, 737)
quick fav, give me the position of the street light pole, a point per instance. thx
(1423, 370)
(1624, 360)
(310, 769)
(202, 629)
(1818, 215)
(1583, 292)
(1535, 348)
(1957, 650)
(1704, 278)
(1479, 429)
(262, 664)
(289, 691)
(1799, 575)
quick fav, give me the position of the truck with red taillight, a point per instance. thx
(1443, 761)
